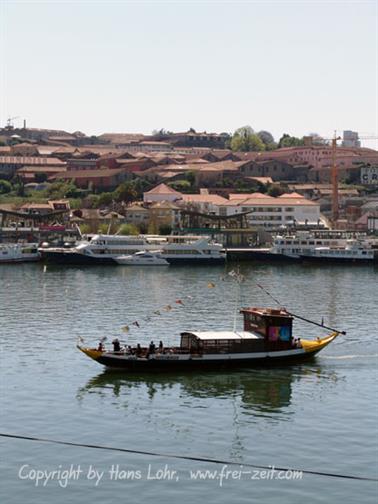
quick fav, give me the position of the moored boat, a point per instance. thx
(355, 252)
(104, 249)
(142, 258)
(267, 339)
(19, 252)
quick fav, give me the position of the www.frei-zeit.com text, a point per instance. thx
(64, 476)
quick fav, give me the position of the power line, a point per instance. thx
(185, 457)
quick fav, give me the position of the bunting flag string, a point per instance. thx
(234, 274)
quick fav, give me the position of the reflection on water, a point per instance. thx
(257, 392)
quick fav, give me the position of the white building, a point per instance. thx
(350, 139)
(204, 203)
(271, 212)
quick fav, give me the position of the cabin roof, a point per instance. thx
(223, 335)
(267, 312)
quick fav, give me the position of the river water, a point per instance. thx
(321, 416)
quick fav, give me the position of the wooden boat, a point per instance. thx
(267, 339)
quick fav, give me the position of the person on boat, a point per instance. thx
(116, 345)
(151, 348)
(138, 350)
(161, 346)
(100, 347)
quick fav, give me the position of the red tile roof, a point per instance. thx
(162, 189)
(75, 174)
(204, 198)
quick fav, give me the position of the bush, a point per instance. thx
(85, 228)
(128, 229)
(103, 229)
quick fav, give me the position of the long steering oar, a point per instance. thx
(298, 316)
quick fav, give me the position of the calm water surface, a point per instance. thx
(320, 416)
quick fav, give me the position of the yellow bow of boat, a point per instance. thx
(312, 346)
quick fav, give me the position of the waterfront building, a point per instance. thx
(269, 212)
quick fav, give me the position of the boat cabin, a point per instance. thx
(275, 326)
(221, 342)
(264, 330)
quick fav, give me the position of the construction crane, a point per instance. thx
(335, 175)
(335, 183)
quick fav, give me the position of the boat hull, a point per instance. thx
(20, 260)
(73, 257)
(195, 260)
(259, 255)
(337, 260)
(190, 364)
(70, 257)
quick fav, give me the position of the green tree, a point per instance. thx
(126, 192)
(5, 187)
(290, 141)
(180, 185)
(245, 139)
(274, 191)
(105, 199)
(191, 177)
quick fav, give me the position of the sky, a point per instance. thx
(104, 66)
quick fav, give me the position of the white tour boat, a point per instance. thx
(354, 252)
(142, 258)
(104, 249)
(19, 252)
(304, 243)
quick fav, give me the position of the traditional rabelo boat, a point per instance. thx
(267, 339)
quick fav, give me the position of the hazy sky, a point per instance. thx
(105, 66)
